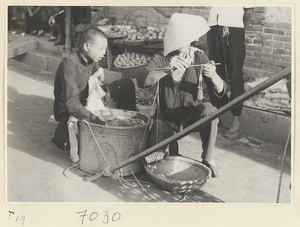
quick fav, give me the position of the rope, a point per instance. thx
(73, 166)
(143, 189)
(282, 166)
(96, 141)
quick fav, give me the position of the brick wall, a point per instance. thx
(268, 37)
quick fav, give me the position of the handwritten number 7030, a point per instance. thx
(106, 217)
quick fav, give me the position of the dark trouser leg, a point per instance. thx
(217, 48)
(160, 131)
(123, 92)
(208, 133)
(60, 31)
(235, 65)
(55, 30)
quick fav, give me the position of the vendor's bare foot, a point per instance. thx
(215, 171)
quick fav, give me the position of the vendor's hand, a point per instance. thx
(180, 63)
(209, 70)
(98, 121)
(50, 21)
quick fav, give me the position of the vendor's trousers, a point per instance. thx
(228, 48)
(161, 129)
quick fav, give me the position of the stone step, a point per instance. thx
(41, 59)
(260, 124)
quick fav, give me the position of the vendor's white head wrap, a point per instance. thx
(183, 29)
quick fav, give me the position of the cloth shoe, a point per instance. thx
(40, 34)
(59, 42)
(52, 39)
(34, 33)
(232, 135)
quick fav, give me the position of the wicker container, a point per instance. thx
(178, 174)
(150, 41)
(132, 71)
(135, 43)
(117, 143)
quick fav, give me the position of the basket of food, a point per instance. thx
(117, 31)
(135, 38)
(145, 100)
(155, 35)
(131, 64)
(178, 174)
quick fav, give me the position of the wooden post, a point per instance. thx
(68, 27)
(105, 9)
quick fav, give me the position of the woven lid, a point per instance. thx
(183, 29)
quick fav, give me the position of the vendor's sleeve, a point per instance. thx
(158, 61)
(71, 91)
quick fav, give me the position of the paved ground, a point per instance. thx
(250, 168)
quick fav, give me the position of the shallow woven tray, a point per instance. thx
(112, 36)
(178, 174)
(155, 40)
(132, 71)
(135, 43)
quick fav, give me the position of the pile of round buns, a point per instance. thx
(128, 60)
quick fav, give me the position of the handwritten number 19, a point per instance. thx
(11, 214)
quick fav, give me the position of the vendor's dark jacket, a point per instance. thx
(71, 87)
(169, 99)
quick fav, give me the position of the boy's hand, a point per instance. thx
(100, 76)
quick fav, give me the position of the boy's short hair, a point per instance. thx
(90, 33)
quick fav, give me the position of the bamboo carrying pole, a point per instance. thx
(260, 87)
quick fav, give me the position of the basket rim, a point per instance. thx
(132, 67)
(154, 40)
(172, 181)
(110, 36)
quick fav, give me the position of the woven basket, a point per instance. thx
(178, 174)
(135, 43)
(155, 41)
(133, 71)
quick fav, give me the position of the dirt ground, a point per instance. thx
(35, 167)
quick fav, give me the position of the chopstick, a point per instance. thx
(169, 68)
